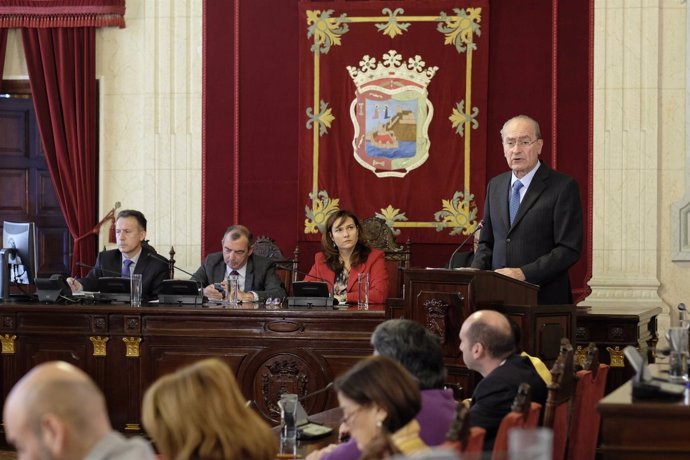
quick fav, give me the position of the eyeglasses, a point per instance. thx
(510, 143)
(346, 418)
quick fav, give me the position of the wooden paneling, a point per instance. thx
(268, 359)
(26, 188)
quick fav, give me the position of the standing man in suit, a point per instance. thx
(131, 256)
(532, 217)
(256, 275)
(487, 345)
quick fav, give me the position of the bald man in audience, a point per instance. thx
(487, 344)
(57, 412)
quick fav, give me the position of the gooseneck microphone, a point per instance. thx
(104, 270)
(480, 225)
(316, 392)
(305, 299)
(305, 274)
(155, 255)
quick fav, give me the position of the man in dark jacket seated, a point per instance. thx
(131, 256)
(256, 275)
(487, 344)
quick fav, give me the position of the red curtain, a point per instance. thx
(62, 70)
(62, 13)
(3, 49)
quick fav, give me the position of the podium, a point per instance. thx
(441, 299)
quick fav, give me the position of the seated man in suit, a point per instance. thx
(488, 347)
(57, 411)
(257, 276)
(131, 256)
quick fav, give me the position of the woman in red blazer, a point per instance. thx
(345, 255)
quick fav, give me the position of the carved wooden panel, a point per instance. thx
(13, 190)
(27, 193)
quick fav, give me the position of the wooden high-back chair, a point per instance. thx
(466, 441)
(378, 235)
(523, 414)
(559, 401)
(287, 269)
(585, 422)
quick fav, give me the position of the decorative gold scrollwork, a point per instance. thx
(617, 357)
(99, 344)
(580, 356)
(7, 344)
(132, 344)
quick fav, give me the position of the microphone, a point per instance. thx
(681, 313)
(305, 274)
(480, 225)
(104, 270)
(317, 392)
(155, 255)
(305, 300)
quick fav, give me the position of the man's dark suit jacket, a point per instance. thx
(109, 263)
(545, 239)
(260, 276)
(493, 396)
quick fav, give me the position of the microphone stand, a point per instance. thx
(310, 302)
(480, 225)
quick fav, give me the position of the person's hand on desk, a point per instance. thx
(212, 293)
(74, 285)
(515, 273)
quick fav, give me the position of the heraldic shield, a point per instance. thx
(391, 114)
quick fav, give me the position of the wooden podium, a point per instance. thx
(441, 299)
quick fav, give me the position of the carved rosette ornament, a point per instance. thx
(132, 344)
(282, 374)
(99, 345)
(436, 318)
(8, 343)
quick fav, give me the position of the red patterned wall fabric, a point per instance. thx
(393, 104)
(62, 13)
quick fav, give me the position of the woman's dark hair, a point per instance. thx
(361, 251)
(370, 382)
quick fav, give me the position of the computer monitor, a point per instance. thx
(19, 241)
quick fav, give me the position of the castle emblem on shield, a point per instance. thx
(391, 113)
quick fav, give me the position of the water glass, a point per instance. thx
(232, 290)
(530, 443)
(288, 424)
(678, 359)
(135, 286)
(362, 291)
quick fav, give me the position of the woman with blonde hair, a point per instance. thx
(199, 413)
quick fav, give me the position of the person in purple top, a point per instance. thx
(419, 351)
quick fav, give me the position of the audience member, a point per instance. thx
(344, 255)
(57, 412)
(419, 351)
(199, 412)
(131, 256)
(257, 276)
(377, 413)
(532, 217)
(488, 347)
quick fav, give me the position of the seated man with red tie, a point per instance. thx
(131, 256)
(256, 275)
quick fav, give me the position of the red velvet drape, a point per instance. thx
(3, 49)
(62, 70)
